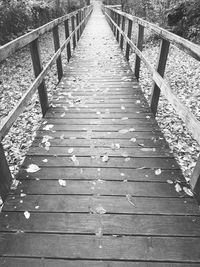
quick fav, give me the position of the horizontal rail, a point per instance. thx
(82, 16)
(11, 47)
(13, 115)
(161, 84)
(183, 44)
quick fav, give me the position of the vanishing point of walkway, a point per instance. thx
(102, 194)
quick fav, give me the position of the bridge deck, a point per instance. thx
(115, 206)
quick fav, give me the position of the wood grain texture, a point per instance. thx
(87, 209)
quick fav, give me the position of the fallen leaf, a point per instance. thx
(170, 182)
(158, 172)
(27, 215)
(48, 127)
(75, 160)
(188, 191)
(100, 210)
(105, 158)
(62, 182)
(14, 185)
(45, 160)
(129, 198)
(133, 139)
(70, 150)
(146, 149)
(123, 131)
(178, 187)
(32, 168)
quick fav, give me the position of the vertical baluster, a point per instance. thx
(81, 18)
(123, 28)
(37, 67)
(77, 24)
(195, 180)
(56, 47)
(118, 24)
(5, 175)
(73, 28)
(130, 25)
(115, 20)
(164, 50)
(140, 38)
(66, 23)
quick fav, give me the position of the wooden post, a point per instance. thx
(77, 23)
(115, 20)
(37, 67)
(74, 36)
(80, 20)
(123, 28)
(195, 180)
(118, 23)
(139, 46)
(5, 175)
(66, 23)
(130, 25)
(57, 46)
(164, 50)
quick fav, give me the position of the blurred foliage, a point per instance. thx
(179, 16)
(19, 16)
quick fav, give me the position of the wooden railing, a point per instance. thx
(77, 20)
(117, 21)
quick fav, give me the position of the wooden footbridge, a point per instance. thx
(97, 187)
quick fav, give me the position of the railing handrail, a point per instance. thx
(18, 43)
(183, 44)
(116, 20)
(79, 19)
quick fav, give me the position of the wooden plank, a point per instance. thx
(112, 224)
(98, 186)
(109, 174)
(155, 94)
(111, 204)
(87, 247)
(23, 262)
(66, 23)
(5, 175)
(104, 143)
(139, 152)
(125, 122)
(114, 162)
(37, 67)
(56, 47)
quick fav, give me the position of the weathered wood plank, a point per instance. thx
(111, 204)
(23, 262)
(109, 174)
(135, 152)
(112, 224)
(129, 248)
(98, 186)
(113, 162)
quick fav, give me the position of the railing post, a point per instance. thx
(118, 24)
(164, 50)
(81, 18)
(57, 46)
(74, 35)
(115, 20)
(130, 24)
(5, 175)
(123, 28)
(140, 38)
(77, 23)
(195, 180)
(66, 23)
(37, 67)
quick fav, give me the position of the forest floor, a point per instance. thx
(182, 72)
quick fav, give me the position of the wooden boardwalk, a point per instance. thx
(114, 204)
